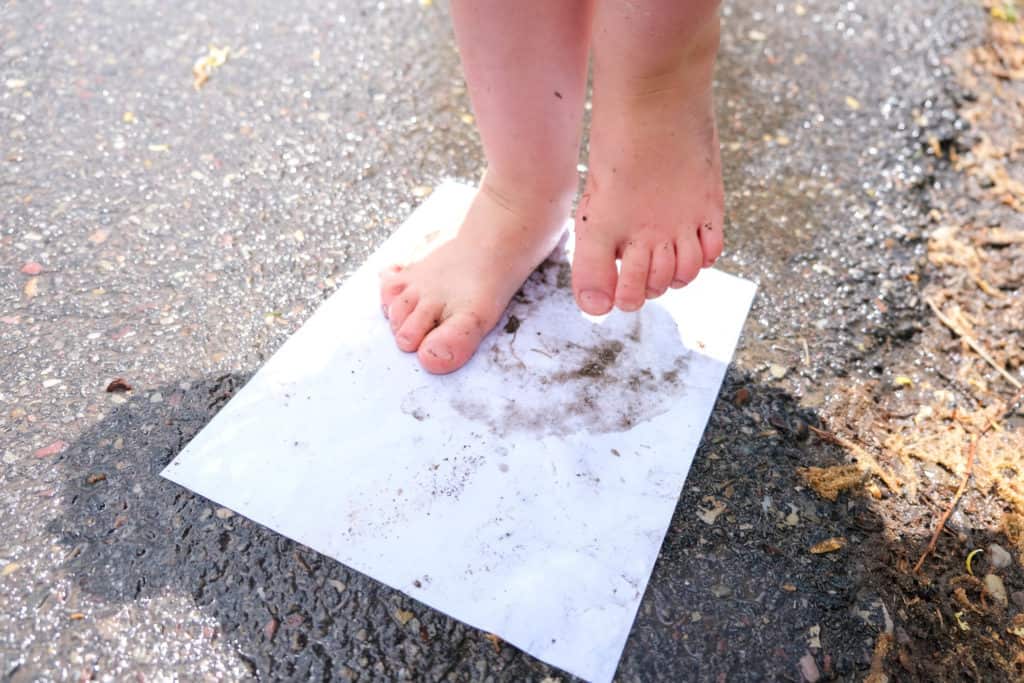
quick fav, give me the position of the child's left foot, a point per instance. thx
(654, 196)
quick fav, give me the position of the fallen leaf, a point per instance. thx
(403, 616)
(9, 568)
(76, 616)
(814, 636)
(709, 515)
(789, 588)
(53, 449)
(32, 287)
(118, 384)
(32, 268)
(205, 65)
(829, 545)
(495, 641)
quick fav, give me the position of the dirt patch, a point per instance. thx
(939, 439)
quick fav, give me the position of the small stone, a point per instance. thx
(1018, 598)
(361, 635)
(9, 568)
(742, 397)
(998, 557)
(52, 382)
(53, 449)
(224, 513)
(996, 590)
(403, 616)
(777, 371)
(721, 591)
(809, 669)
(9, 458)
(156, 397)
(270, 629)
(15, 83)
(338, 585)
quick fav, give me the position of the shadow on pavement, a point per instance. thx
(735, 596)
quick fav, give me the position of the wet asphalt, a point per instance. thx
(175, 238)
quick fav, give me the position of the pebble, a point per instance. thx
(1018, 598)
(156, 397)
(721, 591)
(777, 371)
(809, 669)
(996, 590)
(224, 513)
(998, 557)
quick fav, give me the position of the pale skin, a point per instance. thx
(651, 213)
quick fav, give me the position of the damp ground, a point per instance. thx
(175, 237)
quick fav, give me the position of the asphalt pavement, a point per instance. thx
(175, 237)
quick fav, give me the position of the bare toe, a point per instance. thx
(450, 346)
(390, 286)
(401, 306)
(425, 317)
(663, 269)
(593, 273)
(689, 259)
(710, 236)
(631, 291)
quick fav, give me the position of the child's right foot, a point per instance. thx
(654, 195)
(443, 305)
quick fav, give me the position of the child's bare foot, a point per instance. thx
(443, 305)
(654, 195)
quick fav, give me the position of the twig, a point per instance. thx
(971, 453)
(978, 348)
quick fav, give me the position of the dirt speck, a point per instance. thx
(512, 325)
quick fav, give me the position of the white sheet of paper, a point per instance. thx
(526, 494)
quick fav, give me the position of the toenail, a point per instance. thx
(443, 354)
(595, 299)
(651, 293)
(678, 283)
(403, 340)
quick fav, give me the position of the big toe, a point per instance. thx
(593, 274)
(450, 346)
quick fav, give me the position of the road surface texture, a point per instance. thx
(175, 237)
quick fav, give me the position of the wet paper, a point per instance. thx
(527, 494)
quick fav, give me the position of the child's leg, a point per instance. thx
(654, 188)
(525, 65)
